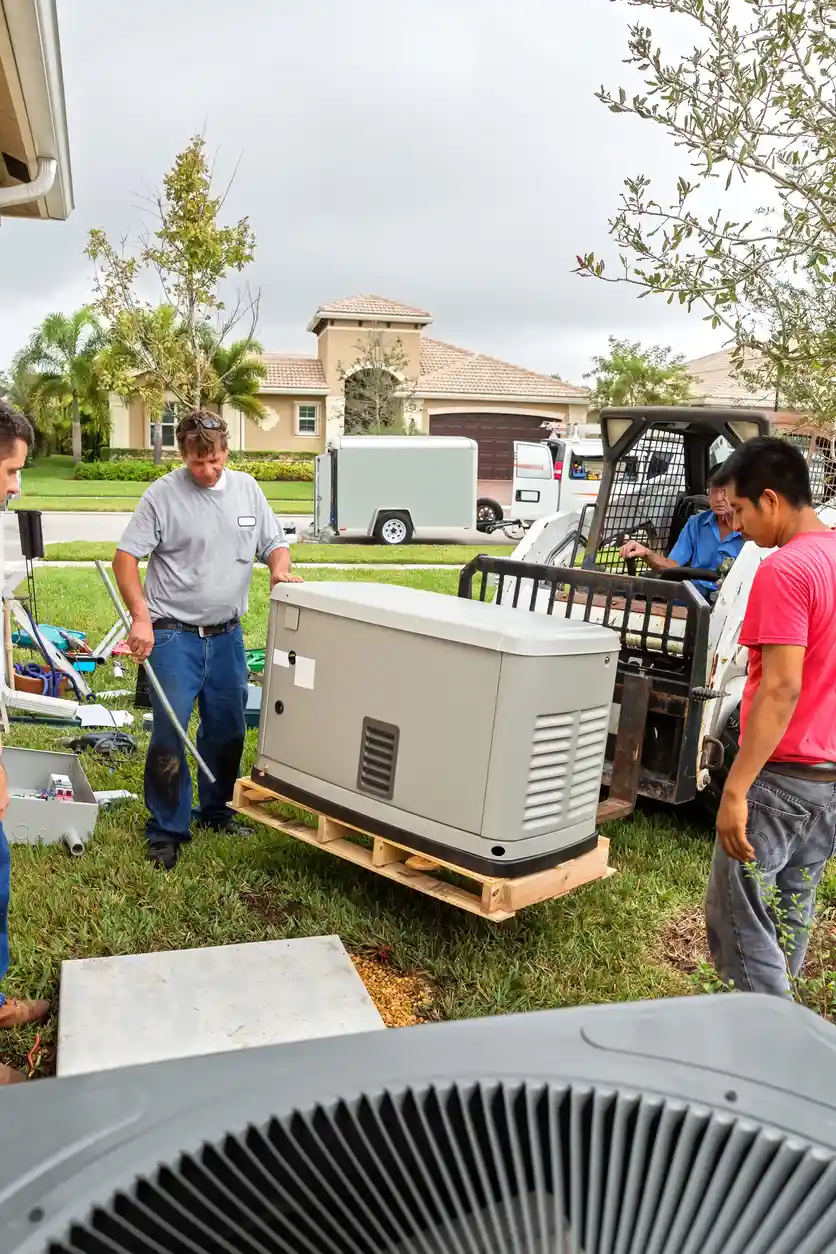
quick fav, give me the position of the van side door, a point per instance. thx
(534, 492)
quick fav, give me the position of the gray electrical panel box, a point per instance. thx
(467, 730)
(33, 820)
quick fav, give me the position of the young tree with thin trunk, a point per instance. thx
(376, 386)
(162, 351)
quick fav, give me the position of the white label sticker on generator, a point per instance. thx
(303, 672)
(280, 658)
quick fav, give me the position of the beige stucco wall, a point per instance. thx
(278, 432)
(137, 425)
(339, 345)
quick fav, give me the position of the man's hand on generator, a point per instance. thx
(141, 639)
(278, 563)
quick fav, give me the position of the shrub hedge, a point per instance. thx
(138, 470)
(235, 455)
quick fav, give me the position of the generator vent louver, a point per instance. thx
(378, 759)
(564, 771)
(481, 1169)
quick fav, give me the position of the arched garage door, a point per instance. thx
(494, 433)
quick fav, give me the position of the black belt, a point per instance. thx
(214, 629)
(816, 772)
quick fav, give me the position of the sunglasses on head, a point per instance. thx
(193, 423)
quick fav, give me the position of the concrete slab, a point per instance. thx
(122, 1011)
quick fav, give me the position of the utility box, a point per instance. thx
(32, 819)
(391, 486)
(466, 730)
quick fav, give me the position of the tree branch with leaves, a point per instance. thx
(631, 375)
(753, 104)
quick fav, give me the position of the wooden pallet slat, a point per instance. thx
(496, 898)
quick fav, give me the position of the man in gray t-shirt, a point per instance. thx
(201, 527)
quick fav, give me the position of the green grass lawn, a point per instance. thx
(365, 554)
(49, 485)
(633, 936)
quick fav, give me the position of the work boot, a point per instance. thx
(16, 1014)
(164, 854)
(8, 1075)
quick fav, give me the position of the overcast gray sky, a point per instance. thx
(446, 153)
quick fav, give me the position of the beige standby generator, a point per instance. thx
(469, 731)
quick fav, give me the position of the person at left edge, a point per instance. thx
(201, 526)
(16, 439)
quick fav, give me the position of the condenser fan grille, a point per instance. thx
(487, 1169)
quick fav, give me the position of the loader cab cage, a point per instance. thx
(656, 466)
(820, 452)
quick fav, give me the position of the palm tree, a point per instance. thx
(63, 356)
(231, 374)
(21, 389)
(237, 376)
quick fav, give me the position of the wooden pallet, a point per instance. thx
(496, 899)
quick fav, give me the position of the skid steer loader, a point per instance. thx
(681, 670)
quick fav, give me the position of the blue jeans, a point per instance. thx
(211, 670)
(5, 890)
(792, 829)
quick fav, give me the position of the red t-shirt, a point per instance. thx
(793, 601)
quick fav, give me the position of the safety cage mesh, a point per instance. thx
(647, 485)
(820, 452)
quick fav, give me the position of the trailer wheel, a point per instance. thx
(392, 528)
(487, 512)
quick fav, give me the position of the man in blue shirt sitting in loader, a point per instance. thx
(707, 540)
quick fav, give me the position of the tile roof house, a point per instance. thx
(448, 390)
(716, 383)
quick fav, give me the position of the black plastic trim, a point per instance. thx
(500, 867)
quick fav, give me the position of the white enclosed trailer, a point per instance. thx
(391, 486)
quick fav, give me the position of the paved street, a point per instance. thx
(60, 527)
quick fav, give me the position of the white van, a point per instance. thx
(561, 473)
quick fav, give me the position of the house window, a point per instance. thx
(170, 419)
(307, 419)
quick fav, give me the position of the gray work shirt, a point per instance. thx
(201, 544)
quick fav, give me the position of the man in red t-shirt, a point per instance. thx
(778, 808)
